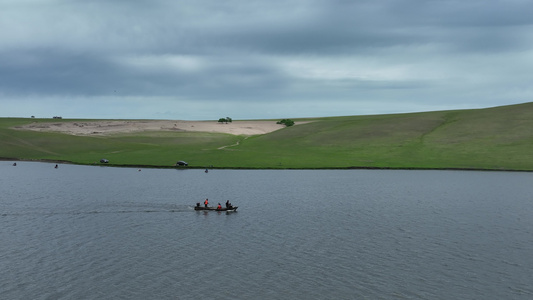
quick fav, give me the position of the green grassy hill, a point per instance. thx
(499, 138)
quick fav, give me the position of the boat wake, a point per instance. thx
(116, 210)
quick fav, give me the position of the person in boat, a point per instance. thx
(229, 205)
(219, 206)
(56, 166)
(206, 202)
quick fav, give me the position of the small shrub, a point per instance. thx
(225, 120)
(286, 122)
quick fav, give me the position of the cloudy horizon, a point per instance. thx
(176, 59)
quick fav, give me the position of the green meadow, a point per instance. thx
(499, 138)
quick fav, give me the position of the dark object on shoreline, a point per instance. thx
(104, 161)
(182, 163)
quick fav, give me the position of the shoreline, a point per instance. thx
(258, 168)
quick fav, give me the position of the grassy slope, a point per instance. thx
(148, 148)
(494, 138)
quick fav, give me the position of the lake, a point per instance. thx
(89, 232)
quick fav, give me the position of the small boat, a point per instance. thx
(231, 208)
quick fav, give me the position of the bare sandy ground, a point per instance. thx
(113, 127)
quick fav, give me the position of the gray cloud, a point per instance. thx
(296, 58)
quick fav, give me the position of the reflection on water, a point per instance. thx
(80, 232)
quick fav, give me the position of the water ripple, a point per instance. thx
(105, 233)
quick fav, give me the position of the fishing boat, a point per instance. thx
(230, 208)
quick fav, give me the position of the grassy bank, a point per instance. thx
(499, 138)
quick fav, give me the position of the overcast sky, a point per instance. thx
(254, 59)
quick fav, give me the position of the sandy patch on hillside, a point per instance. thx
(112, 127)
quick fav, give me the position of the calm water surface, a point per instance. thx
(80, 232)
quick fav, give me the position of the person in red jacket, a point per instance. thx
(219, 206)
(206, 202)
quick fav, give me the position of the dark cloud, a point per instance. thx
(50, 72)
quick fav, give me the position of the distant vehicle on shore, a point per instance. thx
(182, 163)
(104, 161)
